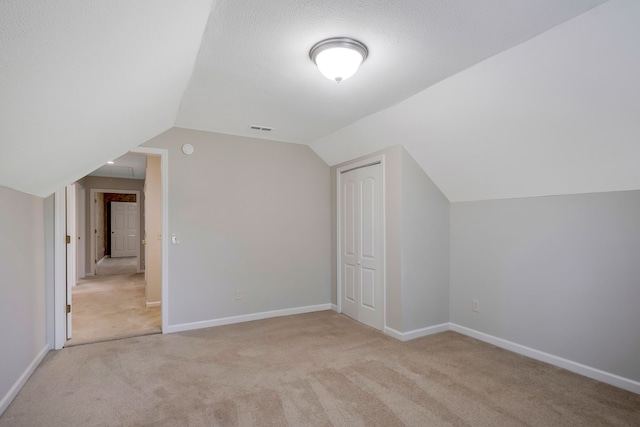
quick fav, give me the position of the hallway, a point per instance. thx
(111, 305)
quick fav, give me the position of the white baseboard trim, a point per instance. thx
(152, 303)
(334, 307)
(416, 333)
(246, 318)
(15, 389)
(578, 368)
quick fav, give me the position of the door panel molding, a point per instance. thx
(125, 220)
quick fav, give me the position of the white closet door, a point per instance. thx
(361, 245)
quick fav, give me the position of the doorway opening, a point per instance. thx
(110, 302)
(112, 228)
(113, 300)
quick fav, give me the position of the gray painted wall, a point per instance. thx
(558, 274)
(425, 249)
(22, 291)
(251, 215)
(393, 237)
(49, 265)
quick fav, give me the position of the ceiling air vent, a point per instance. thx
(263, 128)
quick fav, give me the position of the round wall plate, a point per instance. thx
(188, 149)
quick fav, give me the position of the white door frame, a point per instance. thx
(71, 249)
(357, 164)
(59, 296)
(59, 270)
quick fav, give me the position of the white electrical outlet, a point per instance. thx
(475, 305)
(239, 294)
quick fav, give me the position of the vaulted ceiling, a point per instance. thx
(499, 98)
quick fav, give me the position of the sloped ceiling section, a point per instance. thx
(130, 165)
(557, 114)
(84, 81)
(254, 68)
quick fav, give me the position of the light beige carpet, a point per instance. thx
(316, 369)
(119, 265)
(110, 307)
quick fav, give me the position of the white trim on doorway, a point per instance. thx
(71, 249)
(59, 268)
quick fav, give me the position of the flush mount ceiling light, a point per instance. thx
(338, 58)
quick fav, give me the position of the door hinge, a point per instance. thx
(68, 308)
(95, 261)
(68, 239)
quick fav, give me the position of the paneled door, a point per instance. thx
(124, 229)
(361, 245)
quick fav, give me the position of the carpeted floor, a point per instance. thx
(112, 306)
(316, 369)
(118, 265)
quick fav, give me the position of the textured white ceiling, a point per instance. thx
(499, 112)
(81, 82)
(253, 66)
(558, 114)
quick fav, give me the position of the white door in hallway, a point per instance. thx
(361, 245)
(124, 229)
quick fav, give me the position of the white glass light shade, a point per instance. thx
(339, 58)
(338, 63)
